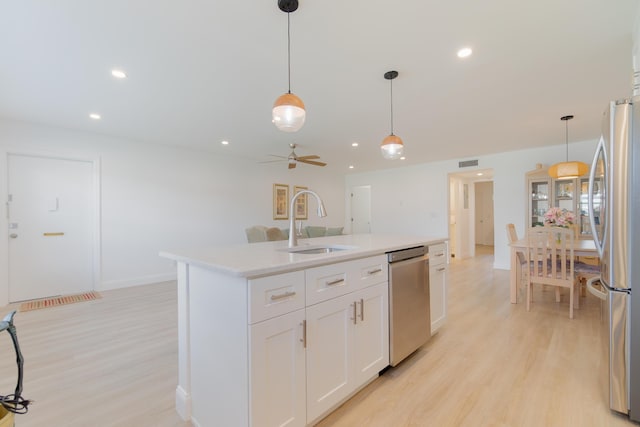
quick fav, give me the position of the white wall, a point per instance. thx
(156, 198)
(414, 199)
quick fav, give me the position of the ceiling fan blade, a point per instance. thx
(292, 165)
(280, 157)
(312, 162)
(313, 156)
(272, 161)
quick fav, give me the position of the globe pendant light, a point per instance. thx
(568, 170)
(288, 111)
(392, 146)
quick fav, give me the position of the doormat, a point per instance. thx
(62, 300)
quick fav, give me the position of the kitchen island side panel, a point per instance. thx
(219, 348)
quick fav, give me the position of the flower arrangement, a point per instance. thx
(559, 217)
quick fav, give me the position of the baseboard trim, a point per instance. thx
(183, 404)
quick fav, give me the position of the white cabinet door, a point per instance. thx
(329, 358)
(277, 376)
(371, 337)
(438, 293)
(438, 276)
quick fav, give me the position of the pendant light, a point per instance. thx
(568, 170)
(392, 146)
(288, 111)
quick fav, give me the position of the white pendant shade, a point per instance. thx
(392, 147)
(288, 113)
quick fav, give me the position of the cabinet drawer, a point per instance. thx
(438, 254)
(370, 271)
(275, 295)
(330, 281)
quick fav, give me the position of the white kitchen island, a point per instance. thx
(267, 337)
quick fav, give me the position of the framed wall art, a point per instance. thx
(280, 201)
(302, 209)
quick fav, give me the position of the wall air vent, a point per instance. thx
(468, 163)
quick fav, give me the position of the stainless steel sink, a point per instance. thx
(318, 249)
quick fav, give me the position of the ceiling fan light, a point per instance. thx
(288, 113)
(568, 170)
(392, 147)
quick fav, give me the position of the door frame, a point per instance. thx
(464, 243)
(4, 221)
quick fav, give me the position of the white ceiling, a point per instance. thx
(203, 71)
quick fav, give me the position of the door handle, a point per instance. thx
(355, 313)
(303, 340)
(13, 235)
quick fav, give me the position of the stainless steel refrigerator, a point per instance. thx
(614, 211)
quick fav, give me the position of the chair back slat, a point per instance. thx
(550, 254)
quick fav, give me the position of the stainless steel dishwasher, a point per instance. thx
(409, 303)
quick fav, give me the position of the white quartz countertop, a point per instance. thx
(266, 258)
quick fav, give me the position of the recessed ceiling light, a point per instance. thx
(464, 52)
(403, 158)
(354, 144)
(224, 142)
(95, 116)
(118, 74)
(351, 166)
(479, 174)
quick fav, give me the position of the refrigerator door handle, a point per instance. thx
(596, 292)
(592, 176)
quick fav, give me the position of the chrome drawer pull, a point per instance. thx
(282, 296)
(440, 269)
(334, 282)
(362, 309)
(377, 270)
(440, 254)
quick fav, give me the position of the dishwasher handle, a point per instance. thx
(422, 258)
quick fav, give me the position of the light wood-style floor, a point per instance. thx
(113, 362)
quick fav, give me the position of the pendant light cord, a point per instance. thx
(289, 47)
(567, 137)
(391, 104)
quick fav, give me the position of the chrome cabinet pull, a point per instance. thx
(377, 270)
(440, 269)
(439, 254)
(303, 340)
(334, 282)
(362, 309)
(355, 314)
(282, 296)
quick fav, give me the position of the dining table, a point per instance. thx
(581, 247)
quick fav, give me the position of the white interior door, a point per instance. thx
(361, 209)
(50, 226)
(484, 213)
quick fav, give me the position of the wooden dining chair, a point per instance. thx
(512, 235)
(586, 268)
(550, 255)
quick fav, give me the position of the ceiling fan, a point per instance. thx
(293, 158)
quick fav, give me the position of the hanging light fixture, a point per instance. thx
(568, 170)
(392, 146)
(288, 111)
